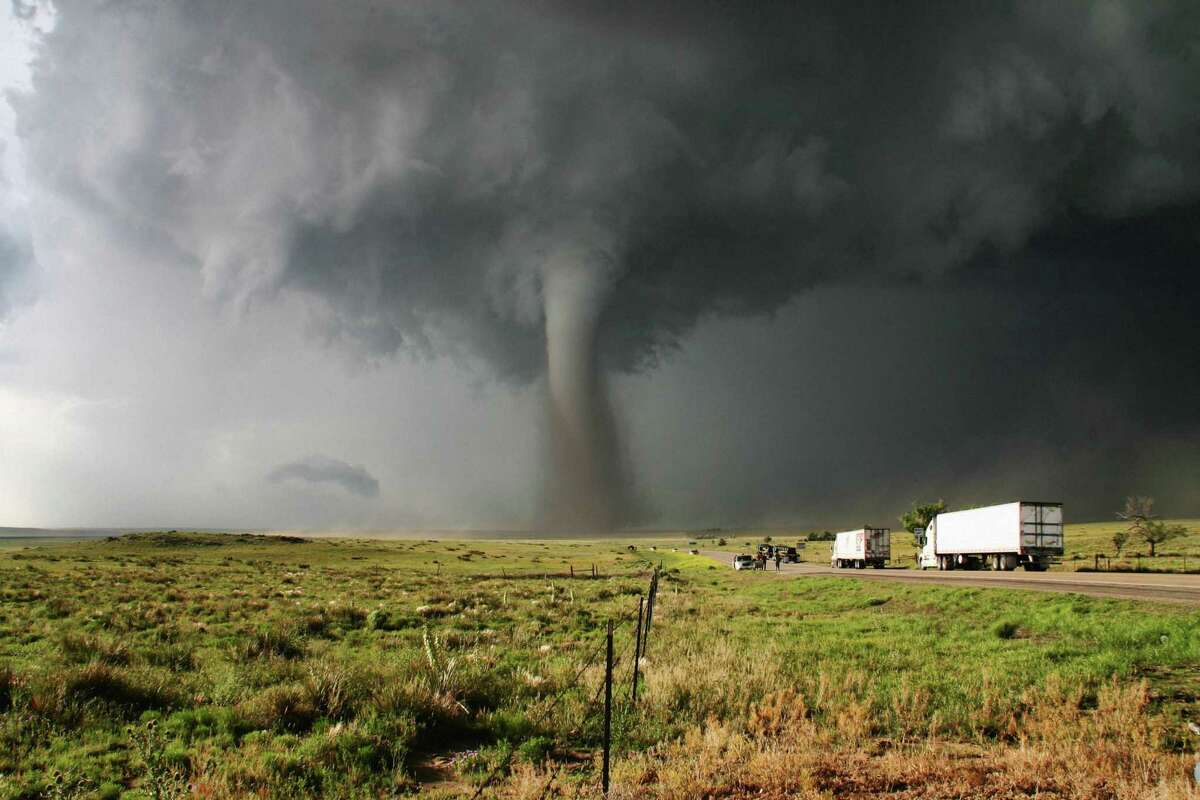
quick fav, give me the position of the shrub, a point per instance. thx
(348, 617)
(536, 749)
(162, 774)
(8, 686)
(1005, 629)
(283, 708)
(80, 649)
(116, 689)
(195, 724)
(273, 640)
(333, 691)
(175, 657)
(59, 607)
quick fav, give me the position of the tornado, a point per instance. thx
(584, 484)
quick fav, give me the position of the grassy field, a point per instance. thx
(1083, 542)
(173, 665)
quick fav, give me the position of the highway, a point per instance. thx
(1131, 586)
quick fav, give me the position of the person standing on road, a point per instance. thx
(778, 558)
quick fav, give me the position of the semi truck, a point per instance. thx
(1025, 533)
(862, 547)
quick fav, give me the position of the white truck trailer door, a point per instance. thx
(1042, 525)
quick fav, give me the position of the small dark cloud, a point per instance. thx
(16, 259)
(323, 469)
(24, 10)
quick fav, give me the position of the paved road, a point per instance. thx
(1134, 586)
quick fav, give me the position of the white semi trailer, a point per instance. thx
(1003, 537)
(858, 548)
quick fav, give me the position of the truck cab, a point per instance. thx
(928, 538)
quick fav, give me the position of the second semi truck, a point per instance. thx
(863, 547)
(1025, 533)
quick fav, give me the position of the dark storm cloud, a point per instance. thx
(322, 469)
(473, 177)
(16, 252)
(421, 167)
(15, 258)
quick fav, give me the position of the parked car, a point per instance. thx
(743, 562)
(788, 554)
(766, 550)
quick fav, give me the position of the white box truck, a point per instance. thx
(862, 547)
(1025, 533)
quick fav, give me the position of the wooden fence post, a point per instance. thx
(608, 669)
(650, 612)
(637, 651)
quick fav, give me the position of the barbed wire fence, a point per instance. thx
(639, 643)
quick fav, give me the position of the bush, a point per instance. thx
(348, 617)
(8, 686)
(175, 657)
(80, 649)
(1006, 629)
(333, 691)
(198, 724)
(274, 640)
(59, 607)
(111, 687)
(286, 708)
(536, 749)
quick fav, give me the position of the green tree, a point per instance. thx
(1119, 539)
(1139, 513)
(1154, 532)
(919, 517)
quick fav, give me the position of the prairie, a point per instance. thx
(208, 665)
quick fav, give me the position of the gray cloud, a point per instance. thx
(473, 178)
(322, 469)
(16, 268)
(423, 168)
(15, 263)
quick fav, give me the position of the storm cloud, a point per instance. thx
(569, 190)
(16, 249)
(323, 469)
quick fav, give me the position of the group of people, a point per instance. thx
(761, 561)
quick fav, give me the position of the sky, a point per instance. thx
(594, 266)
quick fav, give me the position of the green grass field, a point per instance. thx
(257, 666)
